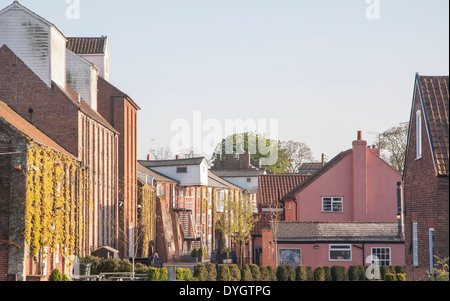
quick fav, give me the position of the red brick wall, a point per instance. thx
(52, 113)
(82, 135)
(5, 163)
(122, 115)
(426, 202)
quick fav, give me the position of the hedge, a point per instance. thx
(319, 274)
(256, 274)
(246, 274)
(285, 273)
(183, 274)
(235, 273)
(223, 273)
(303, 273)
(212, 272)
(356, 273)
(339, 273)
(157, 274)
(200, 272)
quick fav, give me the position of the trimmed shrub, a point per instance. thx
(183, 274)
(64, 277)
(327, 273)
(356, 273)
(339, 273)
(163, 274)
(272, 273)
(390, 277)
(153, 274)
(246, 274)
(55, 275)
(303, 273)
(319, 274)
(400, 277)
(194, 253)
(200, 272)
(235, 273)
(212, 272)
(95, 263)
(400, 269)
(264, 272)
(285, 273)
(256, 274)
(223, 273)
(386, 269)
(140, 268)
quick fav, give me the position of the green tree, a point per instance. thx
(238, 220)
(392, 144)
(259, 148)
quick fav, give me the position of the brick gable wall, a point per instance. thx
(426, 201)
(23, 90)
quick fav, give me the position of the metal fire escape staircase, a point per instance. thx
(183, 205)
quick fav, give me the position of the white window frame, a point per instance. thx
(418, 134)
(415, 244)
(160, 191)
(343, 247)
(333, 202)
(379, 260)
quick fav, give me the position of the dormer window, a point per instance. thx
(181, 169)
(418, 134)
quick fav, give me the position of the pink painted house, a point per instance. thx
(341, 215)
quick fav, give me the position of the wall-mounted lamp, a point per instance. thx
(316, 246)
(18, 167)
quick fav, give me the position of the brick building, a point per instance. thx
(425, 177)
(41, 205)
(120, 111)
(35, 71)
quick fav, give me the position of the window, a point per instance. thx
(204, 218)
(249, 180)
(289, 256)
(381, 256)
(340, 253)
(418, 134)
(332, 204)
(159, 190)
(181, 169)
(431, 248)
(415, 245)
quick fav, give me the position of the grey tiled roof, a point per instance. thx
(179, 162)
(337, 231)
(238, 173)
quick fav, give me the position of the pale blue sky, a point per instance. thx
(321, 68)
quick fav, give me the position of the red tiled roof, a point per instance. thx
(434, 95)
(87, 45)
(22, 125)
(273, 187)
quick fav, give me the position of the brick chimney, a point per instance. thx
(244, 161)
(359, 179)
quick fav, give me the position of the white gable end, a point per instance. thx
(38, 43)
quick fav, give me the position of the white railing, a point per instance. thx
(184, 202)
